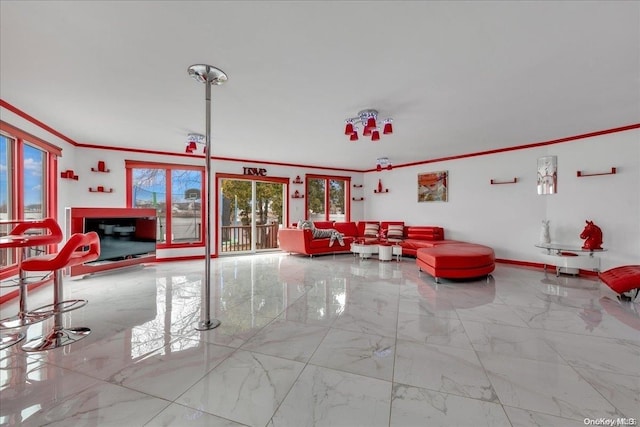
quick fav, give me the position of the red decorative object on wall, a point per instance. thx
(68, 174)
(380, 189)
(593, 235)
(100, 189)
(102, 167)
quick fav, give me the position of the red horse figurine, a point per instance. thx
(593, 234)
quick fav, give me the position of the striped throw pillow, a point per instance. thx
(371, 230)
(395, 231)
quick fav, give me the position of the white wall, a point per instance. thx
(76, 193)
(507, 217)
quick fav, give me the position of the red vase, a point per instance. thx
(379, 186)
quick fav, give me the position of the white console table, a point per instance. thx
(570, 259)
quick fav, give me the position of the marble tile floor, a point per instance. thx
(329, 341)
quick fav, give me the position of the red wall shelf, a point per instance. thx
(100, 189)
(298, 180)
(102, 167)
(297, 195)
(357, 185)
(495, 182)
(582, 174)
(357, 199)
(68, 174)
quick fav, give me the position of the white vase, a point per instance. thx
(544, 232)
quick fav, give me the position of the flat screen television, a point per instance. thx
(123, 238)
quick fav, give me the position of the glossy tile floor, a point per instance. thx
(330, 341)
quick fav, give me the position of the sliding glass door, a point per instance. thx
(251, 212)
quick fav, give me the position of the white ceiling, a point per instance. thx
(456, 77)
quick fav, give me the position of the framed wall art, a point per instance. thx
(433, 186)
(548, 175)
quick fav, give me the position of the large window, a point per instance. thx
(175, 192)
(27, 183)
(328, 198)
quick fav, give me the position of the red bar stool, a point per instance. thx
(79, 249)
(22, 237)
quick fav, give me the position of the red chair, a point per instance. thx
(625, 280)
(26, 234)
(79, 249)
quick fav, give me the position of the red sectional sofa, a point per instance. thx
(440, 258)
(293, 240)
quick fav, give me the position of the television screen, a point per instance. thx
(123, 238)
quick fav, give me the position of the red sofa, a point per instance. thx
(293, 240)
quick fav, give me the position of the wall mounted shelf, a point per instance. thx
(100, 189)
(102, 167)
(357, 199)
(357, 185)
(297, 195)
(298, 180)
(380, 189)
(68, 174)
(495, 182)
(582, 174)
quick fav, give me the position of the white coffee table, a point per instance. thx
(385, 252)
(365, 251)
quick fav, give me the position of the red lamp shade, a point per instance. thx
(389, 167)
(348, 129)
(371, 122)
(354, 136)
(388, 128)
(375, 135)
(379, 167)
(367, 131)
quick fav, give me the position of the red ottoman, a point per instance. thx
(622, 279)
(456, 261)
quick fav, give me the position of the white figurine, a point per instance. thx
(544, 232)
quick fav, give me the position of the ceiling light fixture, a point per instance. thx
(369, 120)
(193, 139)
(383, 163)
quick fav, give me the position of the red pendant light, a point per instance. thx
(388, 128)
(369, 121)
(348, 129)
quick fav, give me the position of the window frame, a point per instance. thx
(327, 197)
(168, 169)
(18, 139)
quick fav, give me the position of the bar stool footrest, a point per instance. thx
(8, 340)
(26, 319)
(61, 307)
(56, 338)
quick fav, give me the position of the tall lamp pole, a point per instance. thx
(210, 76)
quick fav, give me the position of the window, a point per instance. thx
(328, 198)
(27, 183)
(175, 192)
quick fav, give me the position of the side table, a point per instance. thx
(569, 259)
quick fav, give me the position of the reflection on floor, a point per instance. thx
(330, 341)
